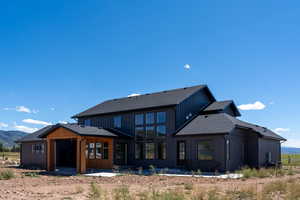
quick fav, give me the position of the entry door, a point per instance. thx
(181, 153)
(121, 153)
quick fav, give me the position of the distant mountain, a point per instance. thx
(290, 150)
(7, 138)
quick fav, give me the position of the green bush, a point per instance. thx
(122, 193)
(6, 174)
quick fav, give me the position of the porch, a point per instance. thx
(67, 148)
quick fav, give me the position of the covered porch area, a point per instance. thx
(79, 148)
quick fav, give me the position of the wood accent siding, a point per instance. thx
(100, 163)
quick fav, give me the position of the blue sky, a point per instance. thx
(58, 58)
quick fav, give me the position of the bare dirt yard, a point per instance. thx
(35, 184)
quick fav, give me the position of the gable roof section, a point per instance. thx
(222, 123)
(81, 130)
(33, 137)
(222, 105)
(158, 99)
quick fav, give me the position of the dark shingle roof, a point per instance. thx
(82, 130)
(35, 135)
(222, 105)
(158, 99)
(222, 123)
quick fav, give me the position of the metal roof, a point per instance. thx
(158, 99)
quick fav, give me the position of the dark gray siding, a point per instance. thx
(193, 104)
(30, 159)
(268, 145)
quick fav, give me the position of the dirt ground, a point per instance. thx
(43, 186)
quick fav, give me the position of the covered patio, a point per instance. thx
(79, 147)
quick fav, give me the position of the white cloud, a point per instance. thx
(52, 109)
(22, 109)
(25, 128)
(38, 122)
(281, 130)
(62, 122)
(133, 95)
(255, 106)
(292, 143)
(187, 66)
(3, 125)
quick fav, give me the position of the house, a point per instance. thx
(180, 128)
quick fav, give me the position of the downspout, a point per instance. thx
(227, 152)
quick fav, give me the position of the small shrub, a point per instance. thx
(122, 193)
(152, 169)
(6, 174)
(213, 195)
(244, 194)
(140, 170)
(199, 172)
(171, 195)
(188, 186)
(31, 174)
(96, 192)
(274, 190)
(262, 173)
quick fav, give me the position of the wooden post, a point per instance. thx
(82, 156)
(50, 156)
(78, 155)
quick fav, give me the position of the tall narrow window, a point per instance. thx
(162, 151)
(205, 150)
(105, 150)
(181, 150)
(99, 150)
(161, 117)
(150, 118)
(91, 150)
(161, 130)
(138, 151)
(150, 131)
(139, 119)
(150, 151)
(86, 150)
(117, 122)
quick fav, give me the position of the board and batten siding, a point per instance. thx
(193, 104)
(32, 159)
(265, 146)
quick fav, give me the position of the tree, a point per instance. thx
(1, 147)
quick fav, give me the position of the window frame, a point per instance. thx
(162, 146)
(147, 150)
(117, 121)
(207, 152)
(87, 122)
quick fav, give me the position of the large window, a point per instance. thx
(117, 122)
(139, 132)
(98, 150)
(150, 118)
(149, 151)
(150, 131)
(161, 117)
(205, 150)
(139, 119)
(87, 122)
(162, 151)
(138, 151)
(161, 130)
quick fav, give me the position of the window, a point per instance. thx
(117, 122)
(139, 119)
(162, 151)
(150, 132)
(150, 151)
(86, 150)
(205, 150)
(138, 151)
(161, 130)
(91, 150)
(87, 122)
(38, 148)
(161, 117)
(181, 150)
(139, 132)
(99, 150)
(150, 118)
(105, 151)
